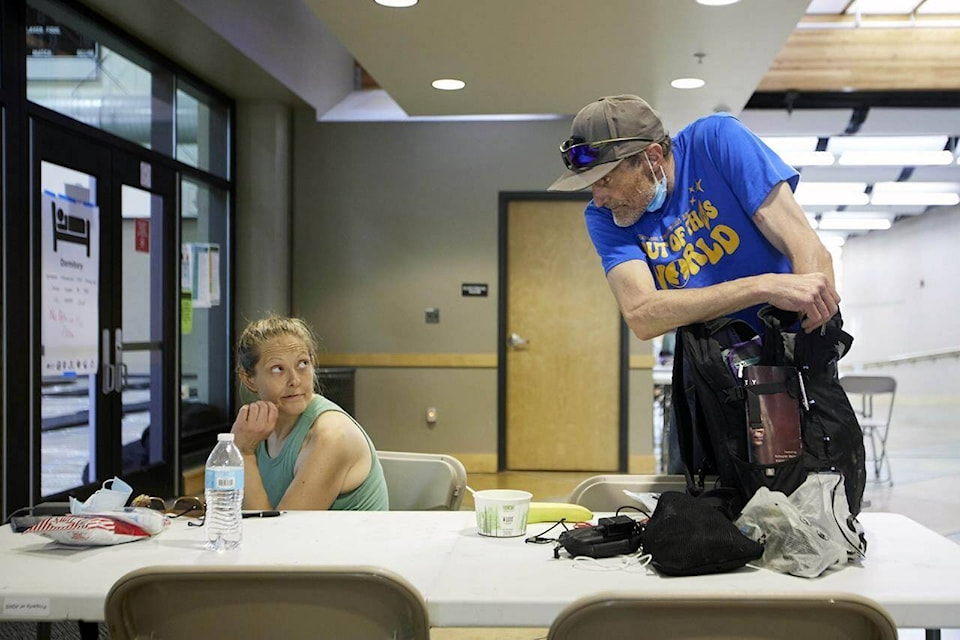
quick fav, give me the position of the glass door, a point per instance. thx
(104, 227)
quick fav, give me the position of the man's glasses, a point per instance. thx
(183, 506)
(578, 154)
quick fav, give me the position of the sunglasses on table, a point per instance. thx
(183, 506)
(578, 154)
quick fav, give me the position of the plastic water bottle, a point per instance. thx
(223, 488)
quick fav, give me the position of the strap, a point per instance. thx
(681, 410)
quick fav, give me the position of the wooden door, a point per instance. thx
(563, 354)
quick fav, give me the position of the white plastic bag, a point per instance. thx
(822, 499)
(791, 542)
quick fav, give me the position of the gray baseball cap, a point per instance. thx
(625, 125)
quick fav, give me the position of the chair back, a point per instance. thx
(868, 385)
(605, 492)
(623, 615)
(202, 602)
(875, 427)
(423, 481)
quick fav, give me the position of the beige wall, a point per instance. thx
(391, 218)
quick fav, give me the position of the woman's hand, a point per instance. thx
(254, 423)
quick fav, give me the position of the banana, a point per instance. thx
(556, 511)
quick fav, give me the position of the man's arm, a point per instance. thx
(650, 312)
(782, 222)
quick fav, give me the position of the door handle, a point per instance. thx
(516, 341)
(120, 372)
(106, 366)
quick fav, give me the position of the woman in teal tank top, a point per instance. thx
(300, 450)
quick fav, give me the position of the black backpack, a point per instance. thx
(709, 401)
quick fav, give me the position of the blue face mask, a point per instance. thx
(661, 194)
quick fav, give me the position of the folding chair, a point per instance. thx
(201, 602)
(423, 481)
(784, 617)
(876, 427)
(605, 492)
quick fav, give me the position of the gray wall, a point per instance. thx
(263, 211)
(389, 219)
(901, 295)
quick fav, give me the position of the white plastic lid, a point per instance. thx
(224, 437)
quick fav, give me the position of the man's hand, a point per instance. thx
(810, 294)
(254, 423)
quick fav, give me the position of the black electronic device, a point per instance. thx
(610, 537)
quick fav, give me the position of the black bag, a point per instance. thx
(686, 536)
(709, 401)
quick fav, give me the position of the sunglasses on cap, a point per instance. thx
(578, 154)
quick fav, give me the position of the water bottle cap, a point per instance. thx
(224, 437)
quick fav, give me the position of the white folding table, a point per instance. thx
(467, 580)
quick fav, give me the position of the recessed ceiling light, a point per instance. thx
(687, 83)
(717, 3)
(396, 3)
(448, 84)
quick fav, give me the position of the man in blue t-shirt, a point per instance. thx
(695, 227)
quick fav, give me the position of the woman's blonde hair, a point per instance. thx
(259, 331)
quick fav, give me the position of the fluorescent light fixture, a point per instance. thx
(853, 224)
(832, 193)
(808, 158)
(799, 151)
(717, 3)
(687, 83)
(841, 144)
(896, 158)
(782, 144)
(396, 3)
(916, 193)
(932, 199)
(448, 84)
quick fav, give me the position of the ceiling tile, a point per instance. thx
(892, 121)
(936, 174)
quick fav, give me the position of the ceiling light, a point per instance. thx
(896, 158)
(853, 224)
(396, 3)
(717, 3)
(781, 144)
(807, 158)
(687, 83)
(840, 144)
(832, 193)
(448, 84)
(917, 198)
(916, 193)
